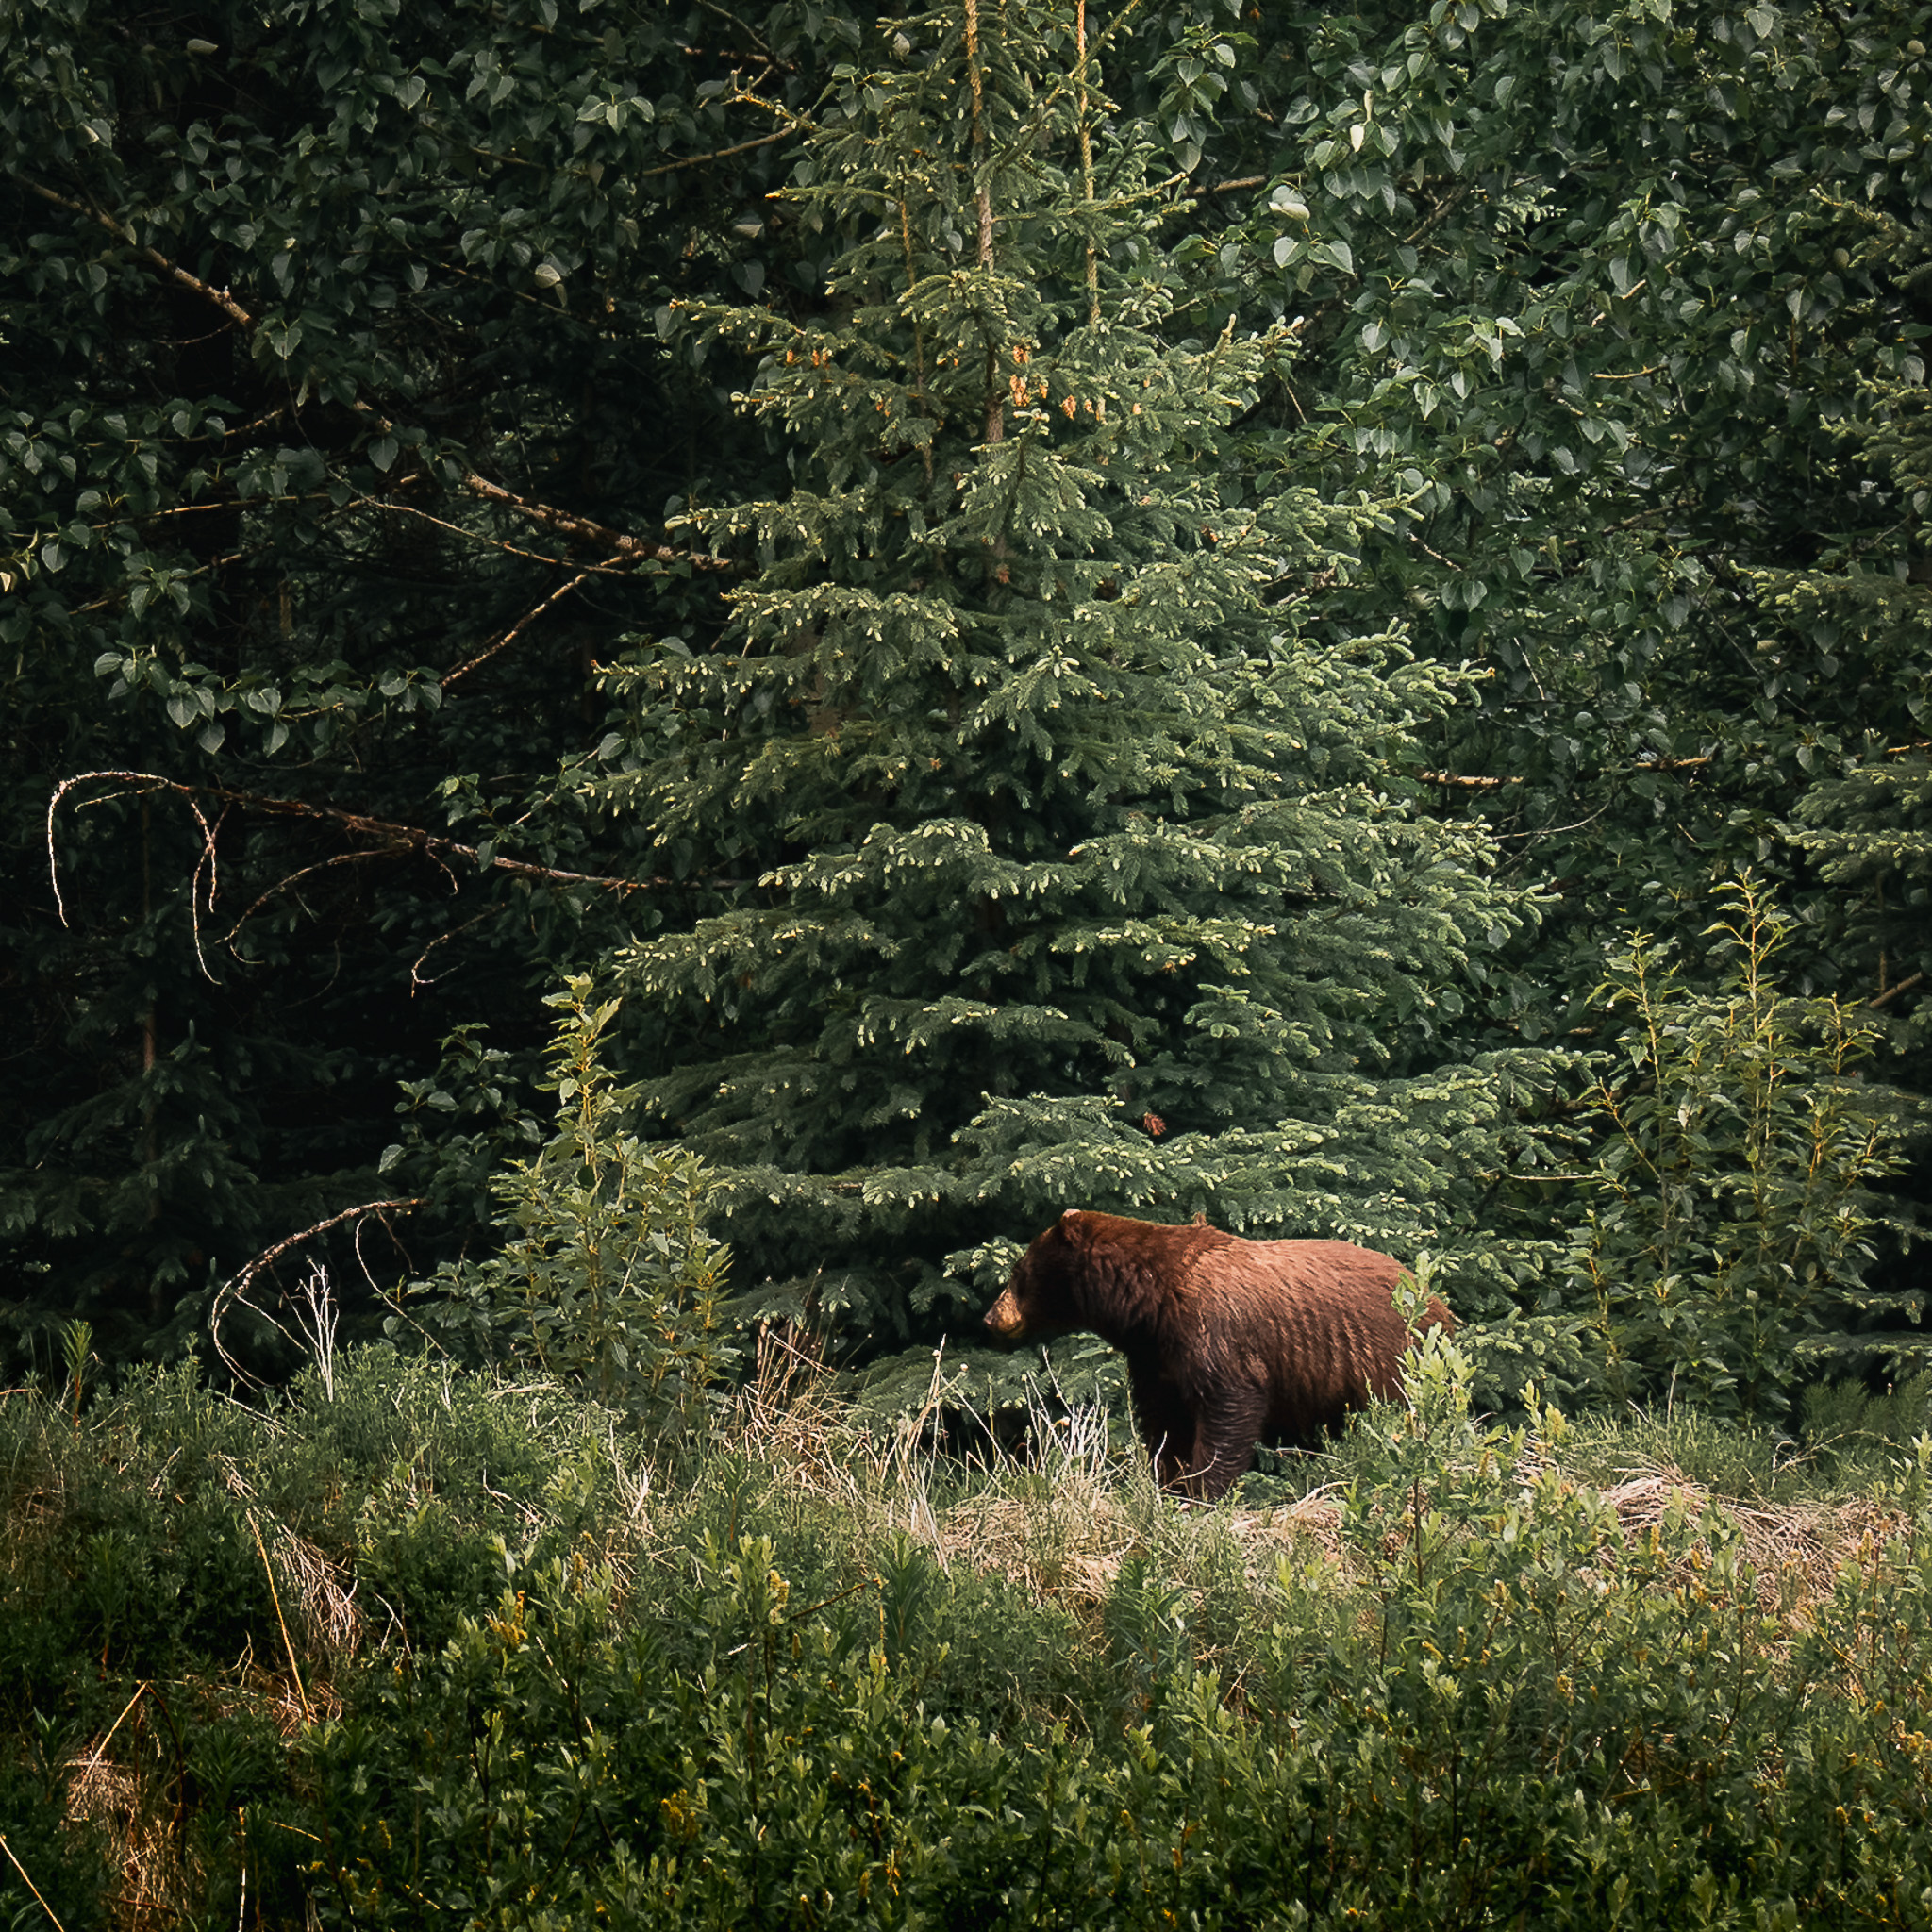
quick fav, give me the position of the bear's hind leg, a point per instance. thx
(1224, 1441)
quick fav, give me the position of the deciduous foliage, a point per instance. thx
(316, 502)
(1732, 1216)
(1611, 298)
(604, 1274)
(367, 392)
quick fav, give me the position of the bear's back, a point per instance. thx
(1311, 1322)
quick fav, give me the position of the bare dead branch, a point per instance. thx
(236, 1287)
(716, 154)
(1891, 993)
(1441, 214)
(220, 297)
(515, 631)
(147, 782)
(416, 980)
(410, 510)
(617, 543)
(750, 32)
(432, 844)
(1477, 784)
(282, 885)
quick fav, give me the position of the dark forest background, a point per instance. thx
(1319, 616)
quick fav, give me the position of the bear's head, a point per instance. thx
(1044, 1298)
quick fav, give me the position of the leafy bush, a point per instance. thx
(1503, 1707)
(1727, 1247)
(606, 1276)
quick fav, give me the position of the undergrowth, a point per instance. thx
(422, 1645)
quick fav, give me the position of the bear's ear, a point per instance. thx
(1071, 1214)
(1073, 1223)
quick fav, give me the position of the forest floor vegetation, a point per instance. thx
(435, 1641)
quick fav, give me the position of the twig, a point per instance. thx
(410, 510)
(29, 1884)
(282, 885)
(275, 1596)
(206, 858)
(515, 631)
(1436, 215)
(416, 980)
(1891, 993)
(1476, 784)
(716, 154)
(235, 1287)
(1552, 831)
(750, 32)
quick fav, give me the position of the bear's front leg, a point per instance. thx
(1227, 1430)
(1165, 1421)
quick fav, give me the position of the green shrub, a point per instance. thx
(606, 1276)
(1726, 1245)
(46, 1854)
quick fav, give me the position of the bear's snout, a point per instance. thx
(1005, 1319)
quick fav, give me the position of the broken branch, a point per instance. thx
(516, 630)
(414, 838)
(236, 1287)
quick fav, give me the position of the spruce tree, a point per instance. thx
(1064, 858)
(1865, 822)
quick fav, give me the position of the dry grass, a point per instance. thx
(1793, 1551)
(129, 1788)
(1063, 1526)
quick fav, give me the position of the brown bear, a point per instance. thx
(1228, 1342)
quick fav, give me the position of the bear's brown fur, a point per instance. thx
(1229, 1342)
